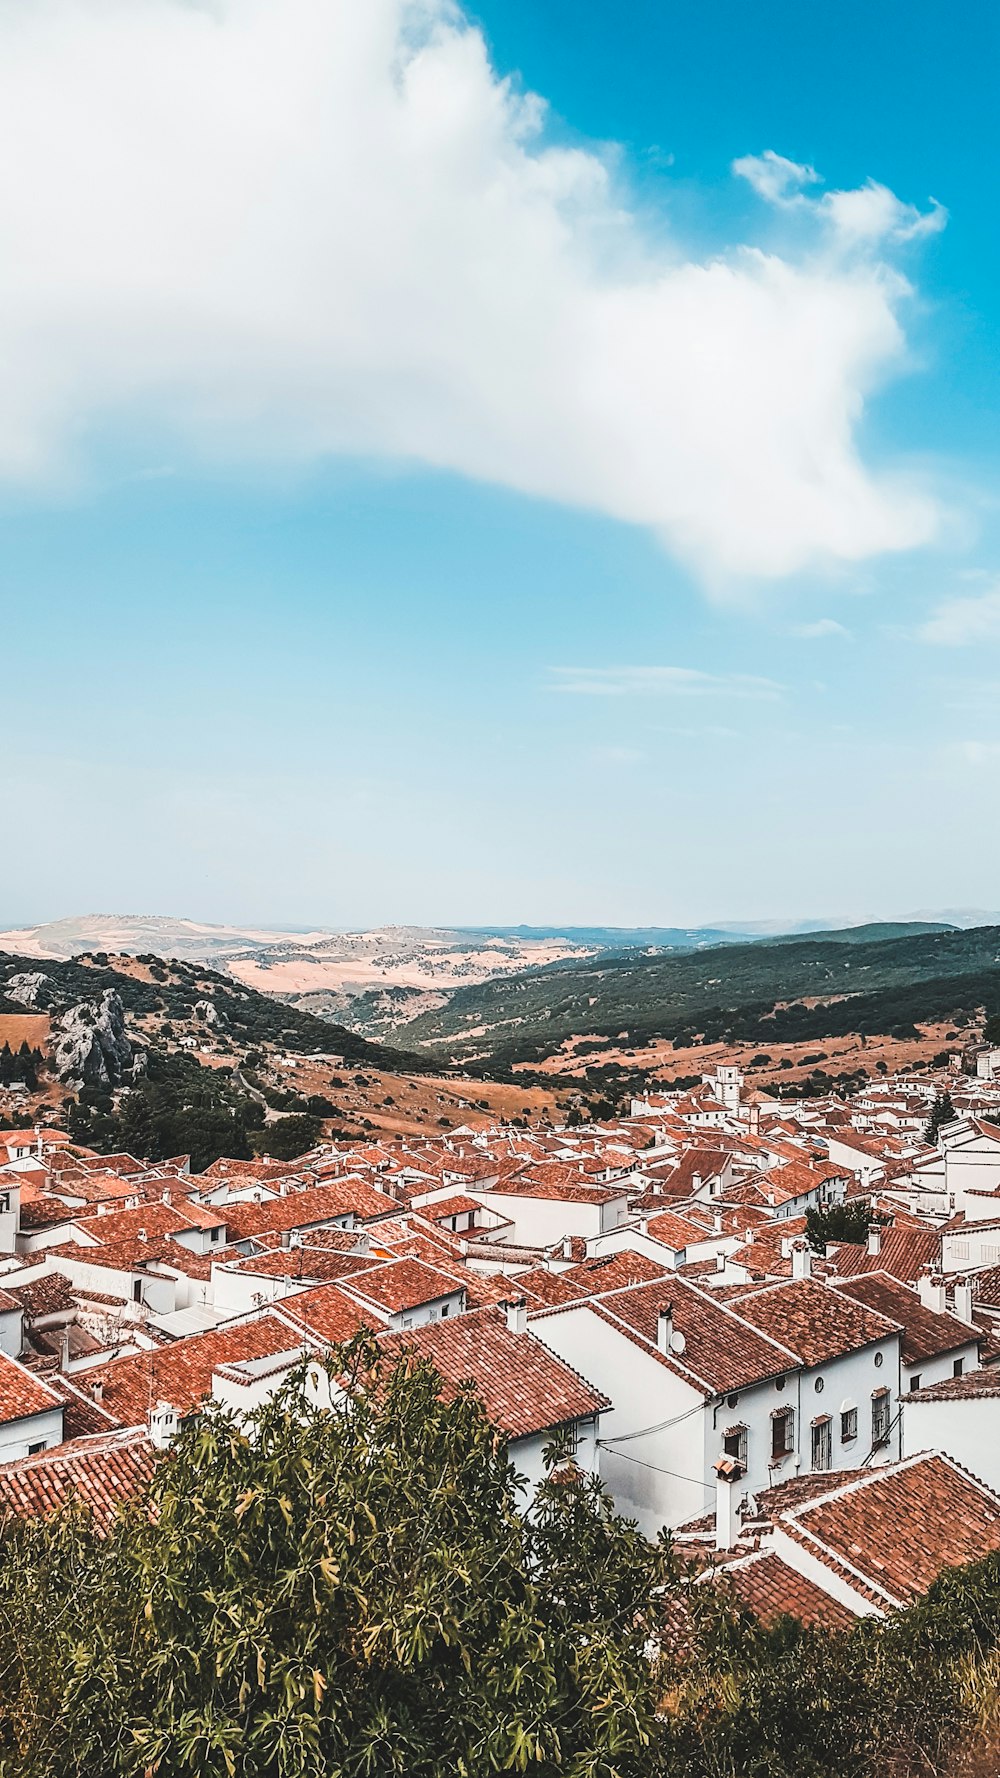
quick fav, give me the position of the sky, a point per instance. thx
(532, 464)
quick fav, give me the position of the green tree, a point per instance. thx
(350, 1592)
(290, 1136)
(942, 1112)
(839, 1222)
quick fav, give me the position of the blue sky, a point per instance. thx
(419, 507)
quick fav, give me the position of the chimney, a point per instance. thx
(166, 1195)
(567, 1247)
(97, 1389)
(717, 1221)
(963, 1300)
(802, 1259)
(64, 1349)
(665, 1329)
(931, 1291)
(38, 1141)
(728, 1472)
(162, 1423)
(695, 1184)
(875, 1239)
(720, 1262)
(517, 1315)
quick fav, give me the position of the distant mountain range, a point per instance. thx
(437, 983)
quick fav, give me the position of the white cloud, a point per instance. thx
(284, 229)
(777, 180)
(823, 626)
(959, 622)
(873, 215)
(617, 682)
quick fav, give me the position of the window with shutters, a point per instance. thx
(822, 1443)
(735, 1443)
(782, 1433)
(848, 1426)
(880, 1418)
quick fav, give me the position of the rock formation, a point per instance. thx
(91, 1046)
(23, 989)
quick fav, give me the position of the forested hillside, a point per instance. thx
(786, 990)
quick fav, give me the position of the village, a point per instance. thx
(653, 1294)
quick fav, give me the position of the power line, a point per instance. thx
(709, 1487)
(645, 1431)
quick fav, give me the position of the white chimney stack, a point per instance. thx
(728, 1472)
(162, 1424)
(931, 1291)
(665, 1329)
(875, 1239)
(517, 1315)
(963, 1300)
(802, 1259)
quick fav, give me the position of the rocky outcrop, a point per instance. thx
(207, 1011)
(91, 1046)
(23, 989)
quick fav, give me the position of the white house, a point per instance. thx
(784, 1379)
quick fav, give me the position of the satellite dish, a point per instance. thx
(677, 1343)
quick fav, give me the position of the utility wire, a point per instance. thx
(709, 1487)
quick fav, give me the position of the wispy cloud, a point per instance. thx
(660, 682)
(823, 626)
(870, 215)
(957, 623)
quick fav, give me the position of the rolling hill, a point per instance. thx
(864, 980)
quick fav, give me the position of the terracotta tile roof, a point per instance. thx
(524, 1387)
(765, 1586)
(21, 1393)
(44, 1212)
(181, 1373)
(326, 1314)
(300, 1209)
(151, 1220)
(721, 1351)
(613, 1271)
(855, 1528)
(572, 1191)
(816, 1322)
(926, 1334)
(674, 1231)
(973, 1386)
(540, 1286)
(103, 1472)
(309, 1265)
(399, 1284)
(81, 1414)
(903, 1253)
(459, 1205)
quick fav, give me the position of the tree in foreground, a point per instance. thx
(355, 1594)
(351, 1592)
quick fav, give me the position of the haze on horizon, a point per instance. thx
(565, 494)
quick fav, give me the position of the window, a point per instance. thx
(33, 1450)
(216, 1234)
(822, 1443)
(915, 1382)
(848, 1426)
(137, 1290)
(958, 1367)
(445, 1308)
(782, 1433)
(735, 1443)
(880, 1418)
